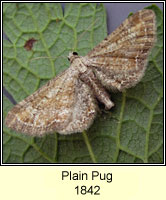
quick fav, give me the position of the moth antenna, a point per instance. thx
(48, 57)
(82, 34)
(89, 27)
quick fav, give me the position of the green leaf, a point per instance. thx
(130, 133)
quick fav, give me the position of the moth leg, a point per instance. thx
(100, 93)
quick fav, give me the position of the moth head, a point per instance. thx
(72, 56)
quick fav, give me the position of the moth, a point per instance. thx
(68, 103)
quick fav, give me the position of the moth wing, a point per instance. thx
(119, 61)
(64, 104)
